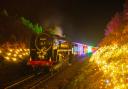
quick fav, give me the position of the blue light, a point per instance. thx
(89, 49)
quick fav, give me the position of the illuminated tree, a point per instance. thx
(111, 57)
(114, 25)
(34, 27)
(125, 17)
(125, 12)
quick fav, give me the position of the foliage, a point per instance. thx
(34, 27)
(111, 57)
(114, 24)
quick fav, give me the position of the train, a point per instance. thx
(50, 52)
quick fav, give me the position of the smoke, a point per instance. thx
(59, 31)
(56, 30)
(53, 24)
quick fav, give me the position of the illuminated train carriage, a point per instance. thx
(78, 49)
(49, 51)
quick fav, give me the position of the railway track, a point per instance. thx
(43, 80)
(32, 81)
(19, 82)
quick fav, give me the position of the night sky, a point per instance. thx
(80, 20)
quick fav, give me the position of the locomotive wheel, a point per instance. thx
(46, 69)
(36, 70)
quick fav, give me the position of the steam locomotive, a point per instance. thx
(48, 51)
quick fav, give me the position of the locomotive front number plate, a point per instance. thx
(43, 41)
